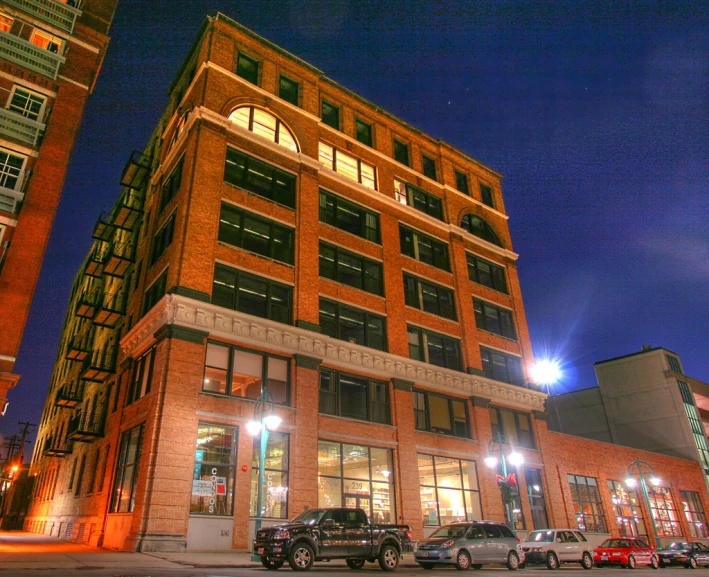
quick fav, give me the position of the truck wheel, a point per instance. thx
(512, 561)
(301, 557)
(587, 561)
(427, 566)
(271, 564)
(388, 558)
(462, 563)
(552, 561)
(355, 563)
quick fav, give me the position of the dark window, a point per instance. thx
(537, 502)
(364, 132)
(155, 292)
(439, 414)
(171, 186)
(162, 240)
(486, 273)
(674, 364)
(494, 319)
(434, 348)
(26, 103)
(259, 178)
(213, 470)
(502, 367)
(429, 297)
(142, 377)
(331, 114)
(80, 476)
(351, 269)
(247, 68)
(354, 325)
(424, 248)
(354, 397)
(349, 217)
(254, 295)
(477, 226)
(694, 511)
(256, 233)
(587, 504)
(401, 152)
(429, 166)
(461, 182)
(421, 200)
(514, 425)
(486, 194)
(288, 90)
(239, 372)
(123, 497)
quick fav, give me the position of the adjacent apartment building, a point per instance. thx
(50, 55)
(279, 229)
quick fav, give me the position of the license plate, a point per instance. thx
(423, 553)
(616, 554)
(604, 557)
(259, 551)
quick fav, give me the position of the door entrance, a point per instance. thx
(357, 502)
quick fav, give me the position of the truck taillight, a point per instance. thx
(408, 534)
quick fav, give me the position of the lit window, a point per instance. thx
(274, 500)
(664, 512)
(348, 166)
(449, 490)
(47, 41)
(5, 23)
(26, 103)
(265, 125)
(214, 470)
(587, 503)
(440, 414)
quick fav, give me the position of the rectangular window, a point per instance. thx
(5, 23)
(664, 512)
(514, 425)
(449, 490)
(274, 494)
(123, 497)
(434, 348)
(357, 476)
(155, 292)
(348, 166)
(628, 513)
(354, 397)
(429, 166)
(694, 512)
(461, 182)
(214, 468)
(28, 104)
(364, 132)
(486, 273)
(401, 152)
(351, 269)
(429, 297)
(436, 413)
(251, 294)
(238, 372)
(494, 319)
(424, 248)
(288, 90)
(537, 502)
(256, 233)
(80, 476)
(354, 325)
(349, 217)
(47, 41)
(331, 114)
(162, 239)
(247, 68)
(502, 367)
(587, 504)
(419, 199)
(142, 377)
(674, 364)
(695, 422)
(10, 170)
(171, 186)
(486, 195)
(259, 177)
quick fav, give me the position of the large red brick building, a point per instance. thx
(50, 55)
(280, 229)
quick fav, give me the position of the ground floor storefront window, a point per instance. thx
(213, 477)
(123, 496)
(664, 512)
(357, 476)
(628, 514)
(694, 511)
(537, 502)
(587, 504)
(274, 497)
(449, 490)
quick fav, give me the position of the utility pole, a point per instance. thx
(25, 432)
(10, 444)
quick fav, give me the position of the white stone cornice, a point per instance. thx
(250, 330)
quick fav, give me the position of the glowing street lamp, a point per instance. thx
(499, 444)
(547, 372)
(640, 469)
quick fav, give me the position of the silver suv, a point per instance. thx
(471, 544)
(552, 547)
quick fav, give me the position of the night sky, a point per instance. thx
(596, 114)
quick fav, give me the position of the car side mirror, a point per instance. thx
(328, 522)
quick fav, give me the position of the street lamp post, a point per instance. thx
(498, 445)
(265, 420)
(639, 469)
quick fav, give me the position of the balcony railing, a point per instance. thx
(54, 447)
(69, 395)
(103, 229)
(26, 54)
(63, 15)
(99, 365)
(137, 168)
(80, 346)
(119, 258)
(18, 127)
(85, 428)
(128, 209)
(9, 199)
(110, 310)
(87, 304)
(94, 266)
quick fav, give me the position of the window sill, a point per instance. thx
(268, 258)
(507, 294)
(353, 420)
(332, 226)
(446, 436)
(434, 315)
(243, 399)
(516, 341)
(345, 285)
(426, 264)
(258, 195)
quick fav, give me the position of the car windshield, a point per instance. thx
(616, 543)
(451, 531)
(309, 517)
(679, 546)
(541, 537)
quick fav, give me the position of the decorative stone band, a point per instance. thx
(246, 329)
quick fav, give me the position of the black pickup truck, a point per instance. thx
(324, 534)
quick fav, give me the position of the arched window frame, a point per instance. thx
(488, 233)
(280, 125)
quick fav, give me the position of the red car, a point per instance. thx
(626, 552)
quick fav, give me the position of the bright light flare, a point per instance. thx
(273, 422)
(253, 427)
(546, 372)
(630, 482)
(515, 459)
(655, 481)
(491, 461)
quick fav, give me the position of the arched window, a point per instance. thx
(264, 124)
(477, 226)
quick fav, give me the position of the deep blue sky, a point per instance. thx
(596, 113)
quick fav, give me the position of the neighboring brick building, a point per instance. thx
(278, 228)
(50, 55)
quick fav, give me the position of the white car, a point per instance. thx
(555, 546)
